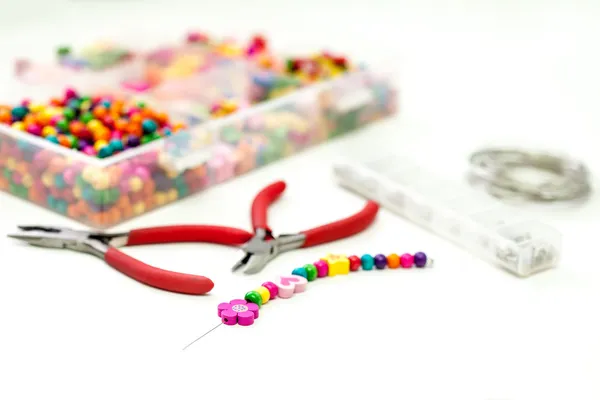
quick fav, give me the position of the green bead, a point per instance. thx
(253, 297)
(63, 125)
(141, 104)
(69, 113)
(113, 195)
(146, 139)
(311, 272)
(7, 174)
(63, 51)
(86, 117)
(100, 197)
(74, 141)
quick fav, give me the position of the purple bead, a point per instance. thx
(380, 261)
(420, 259)
(133, 141)
(82, 144)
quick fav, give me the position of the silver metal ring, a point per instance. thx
(566, 179)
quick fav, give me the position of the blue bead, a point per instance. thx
(52, 138)
(18, 113)
(61, 206)
(300, 271)
(59, 181)
(367, 262)
(116, 145)
(105, 152)
(149, 126)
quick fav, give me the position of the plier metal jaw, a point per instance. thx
(95, 243)
(263, 248)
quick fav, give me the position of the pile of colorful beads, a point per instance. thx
(244, 312)
(98, 126)
(97, 57)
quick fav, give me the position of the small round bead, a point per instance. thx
(254, 297)
(300, 271)
(265, 294)
(322, 268)
(354, 263)
(393, 260)
(367, 262)
(311, 272)
(406, 260)
(380, 261)
(149, 126)
(273, 290)
(420, 259)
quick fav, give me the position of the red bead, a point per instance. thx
(354, 263)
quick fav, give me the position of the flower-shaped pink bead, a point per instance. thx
(238, 312)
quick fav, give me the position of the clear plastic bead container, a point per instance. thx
(471, 219)
(104, 192)
(43, 79)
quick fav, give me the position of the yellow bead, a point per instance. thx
(18, 126)
(48, 130)
(47, 179)
(338, 264)
(160, 198)
(101, 181)
(264, 293)
(10, 163)
(89, 173)
(77, 192)
(172, 173)
(35, 107)
(27, 181)
(100, 144)
(94, 125)
(172, 195)
(139, 208)
(135, 184)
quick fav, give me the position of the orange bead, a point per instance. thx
(393, 260)
(149, 187)
(76, 127)
(134, 129)
(161, 117)
(136, 117)
(57, 164)
(123, 202)
(121, 124)
(29, 119)
(100, 112)
(101, 134)
(147, 113)
(178, 126)
(5, 116)
(56, 102)
(64, 141)
(72, 211)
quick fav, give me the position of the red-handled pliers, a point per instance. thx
(263, 246)
(260, 247)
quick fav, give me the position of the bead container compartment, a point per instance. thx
(93, 69)
(478, 223)
(103, 192)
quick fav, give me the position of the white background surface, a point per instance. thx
(471, 72)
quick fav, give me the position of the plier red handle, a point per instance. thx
(260, 246)
(263, 246)
(104, 246)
